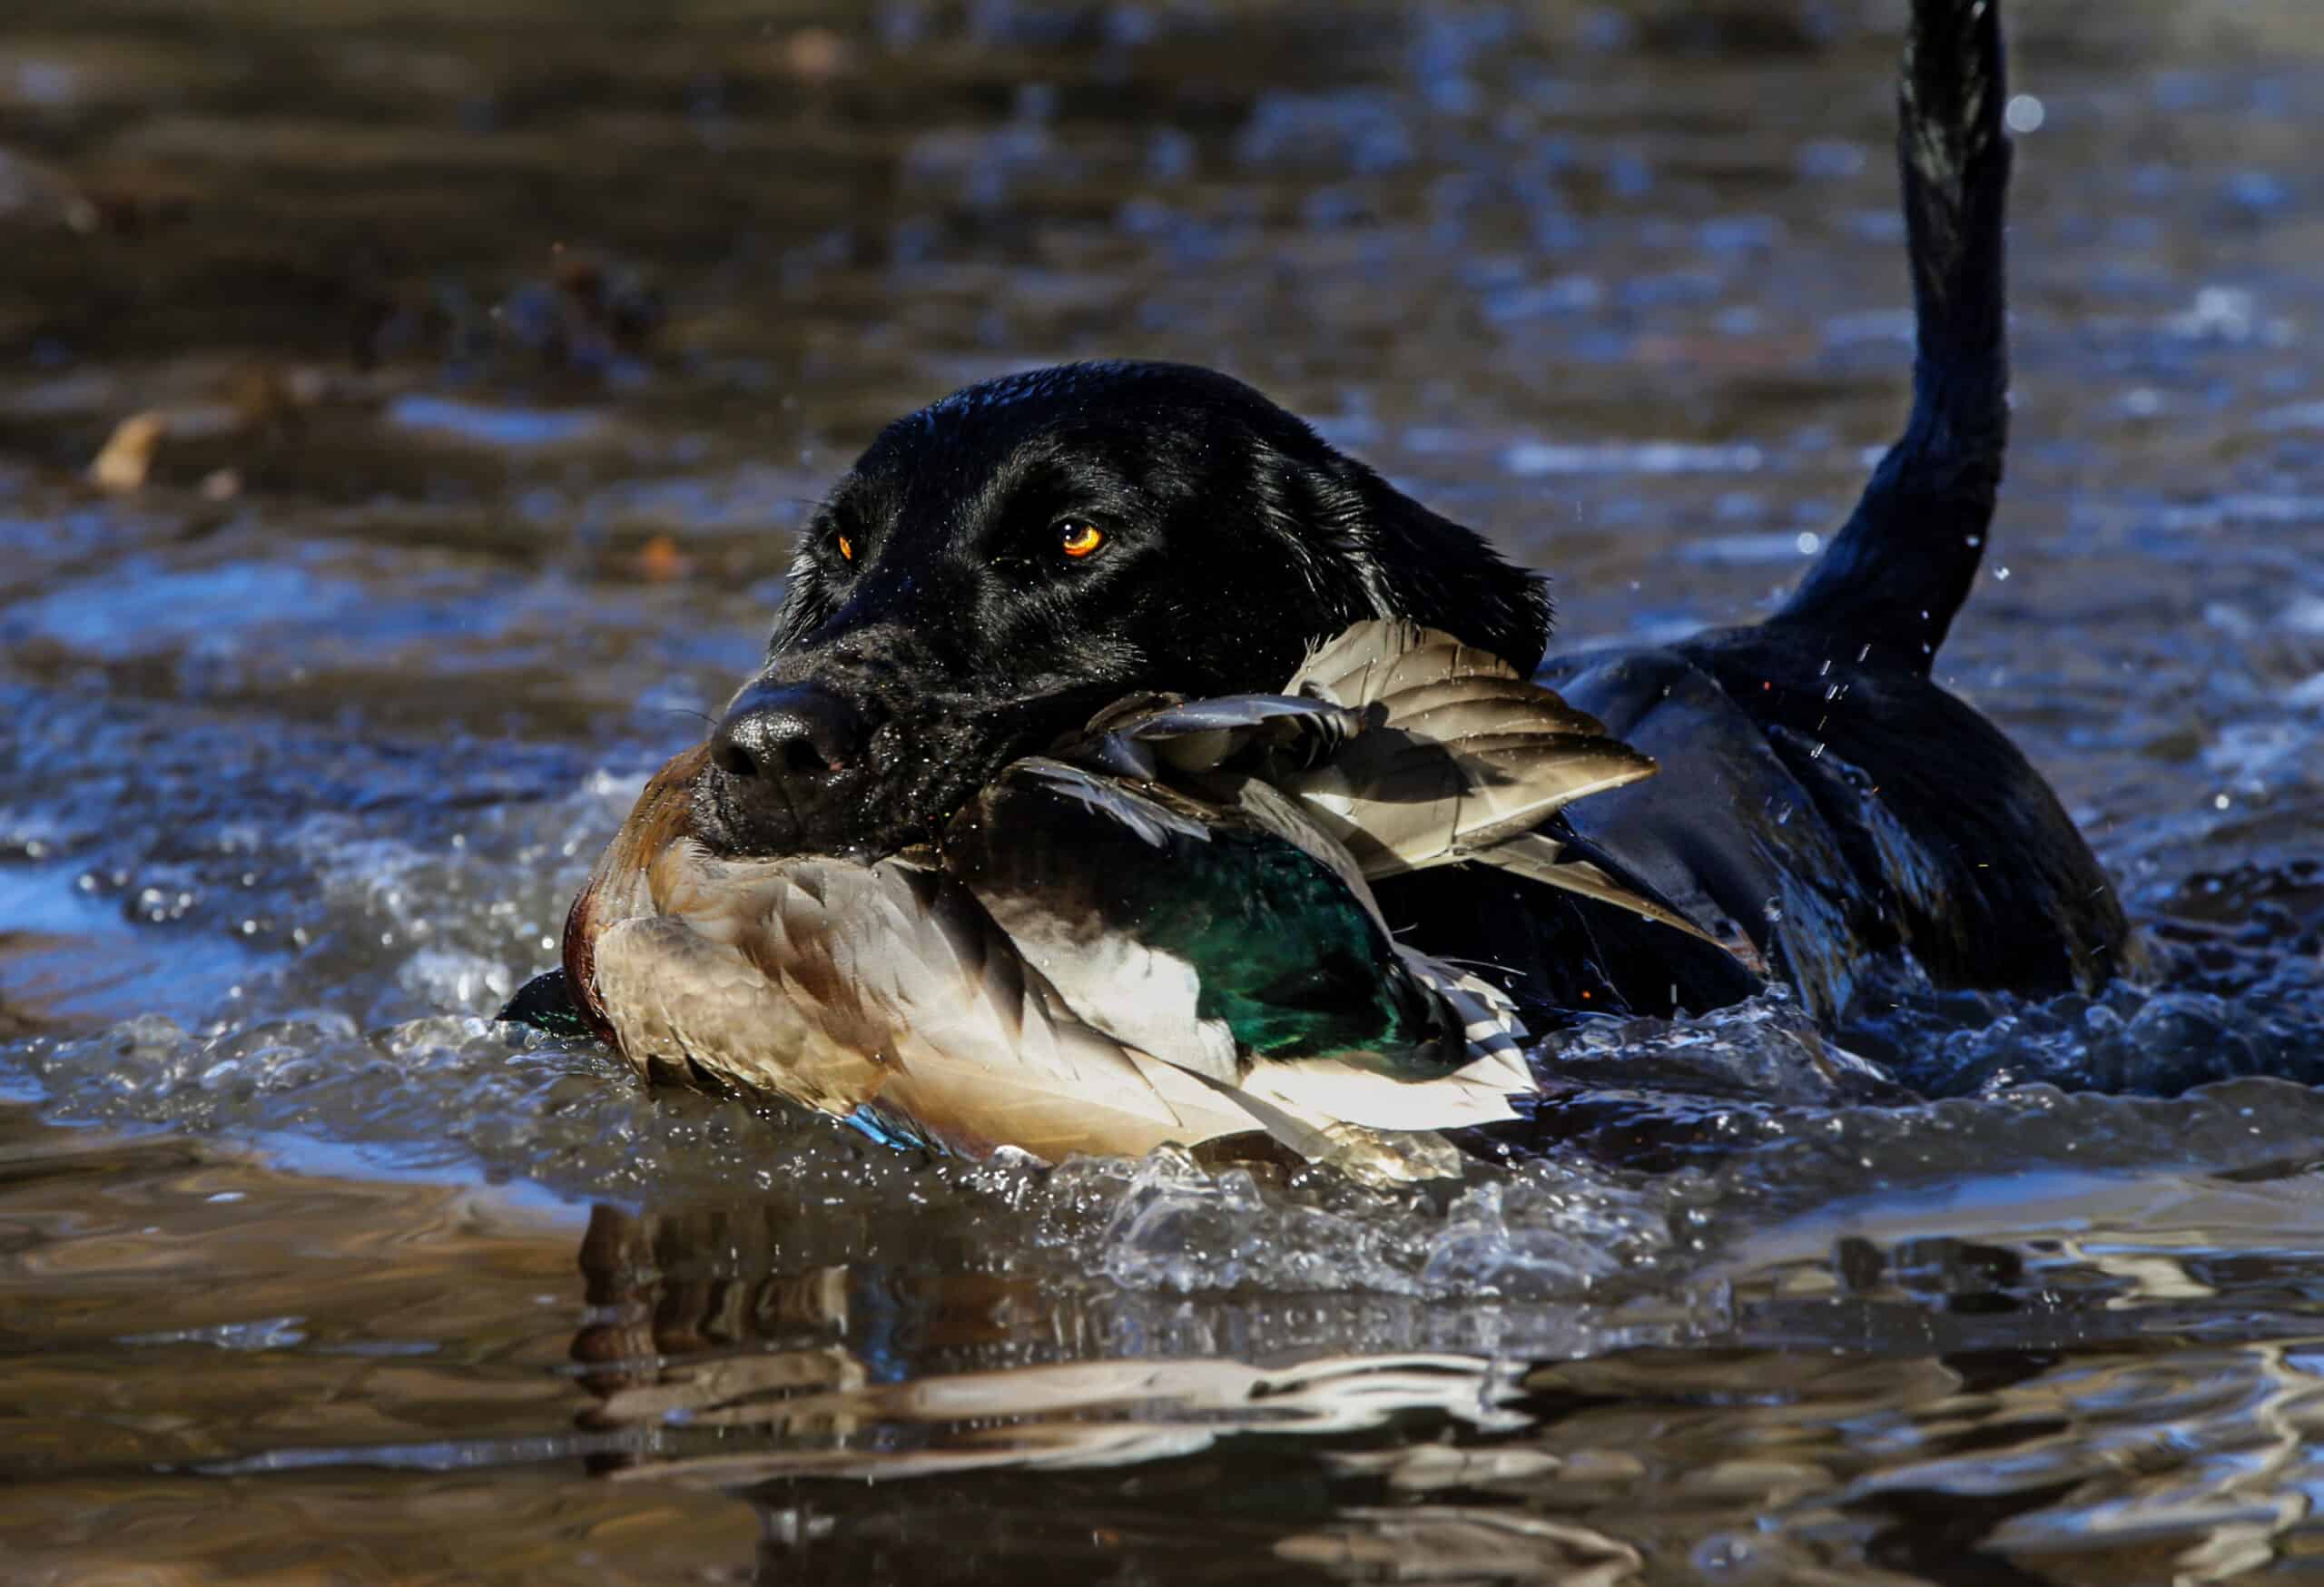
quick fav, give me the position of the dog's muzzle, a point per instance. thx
(775, 731)
(786, 766)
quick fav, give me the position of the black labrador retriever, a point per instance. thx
(1002, 563)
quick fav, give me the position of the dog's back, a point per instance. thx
(1819, 793)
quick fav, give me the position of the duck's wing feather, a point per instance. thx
(1281, 714)
(1372, 661)
(1460, 753)
(1400, 800)
(1147, 737)
(1540, 858)
(1352, 1092)
(1156, 822)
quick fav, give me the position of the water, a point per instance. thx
(494, 350)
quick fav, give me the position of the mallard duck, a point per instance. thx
(1162, 931)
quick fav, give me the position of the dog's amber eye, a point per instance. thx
(1077, 539)
(846, 549)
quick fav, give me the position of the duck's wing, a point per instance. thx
(1538, 857)
(1150, 737)
(1400, 802)
(884, 993)
(982, 1044)
(1460, 752)
(1372, 661)
(1152, 815)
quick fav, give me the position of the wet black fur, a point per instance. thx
(1818, 791)
(957, 636)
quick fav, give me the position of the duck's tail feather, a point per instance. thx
(547, 1004)
(1889, 584)
(1482, 1014)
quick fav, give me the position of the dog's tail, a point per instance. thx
(1900, 569)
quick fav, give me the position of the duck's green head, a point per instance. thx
(1123, 896)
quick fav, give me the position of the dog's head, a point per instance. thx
(1003, 564)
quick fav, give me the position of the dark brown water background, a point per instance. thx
(454, 375)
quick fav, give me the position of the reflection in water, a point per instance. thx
(1926, 1448)
(845, 1409)
(213, 1367)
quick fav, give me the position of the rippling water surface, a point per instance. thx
(404, 410)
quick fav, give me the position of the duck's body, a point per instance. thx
(1164, 931)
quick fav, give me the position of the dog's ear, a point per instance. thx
(1422, 566)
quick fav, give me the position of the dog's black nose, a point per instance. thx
(772, 732)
